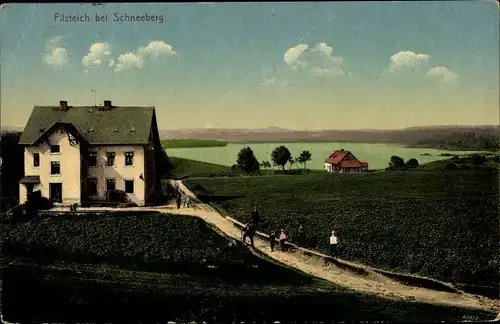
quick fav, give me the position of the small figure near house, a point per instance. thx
(283, 238)
(248, 231)
(333, 245)
(187, 201)
(272, 240)
(178, 199)
(73, 207)
(302, 234)
(255, 217)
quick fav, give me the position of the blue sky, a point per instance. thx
(292, 65)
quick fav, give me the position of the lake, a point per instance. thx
(377, 155)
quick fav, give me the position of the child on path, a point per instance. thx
(283, 238)
(255, 217)
(333, 245)
(178, 200)
(272, 240)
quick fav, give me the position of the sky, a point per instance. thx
(380, 65)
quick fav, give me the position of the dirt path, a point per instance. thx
(372, 283)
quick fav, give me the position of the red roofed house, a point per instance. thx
(344, 161)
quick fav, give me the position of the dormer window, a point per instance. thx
(116, 130)
(42, 130)
(91, 129)
(55, 149)
(132, 129)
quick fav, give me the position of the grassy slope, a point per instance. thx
(109, 276)
(191, 168)
(439, 224)
(191, 143)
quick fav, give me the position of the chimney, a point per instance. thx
(107, 104)
(342, 150)
(63, 105)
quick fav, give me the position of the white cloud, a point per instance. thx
(406, 61)
(99, 53)
(293, 54)
(446, 76)
(56, 53)
(159, 48)
(318, 59)
(129, 61)
(323, 48)
(137, 59)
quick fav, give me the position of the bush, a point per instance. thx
(450, 166)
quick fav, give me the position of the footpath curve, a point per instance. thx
(343, 273)
(369, 282)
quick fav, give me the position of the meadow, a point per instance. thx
(184, 168)
(171, 267)
(433, 223)
(377, 155)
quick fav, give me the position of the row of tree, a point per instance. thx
(397, 163)
(463, 141)
(280, 156)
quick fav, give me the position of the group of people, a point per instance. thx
(250, 229)
(182, 199)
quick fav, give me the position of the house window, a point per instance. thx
(55, 149)
(110, 184)
(93, 159)
(55, 168)
(92, 187)
(36, 159)
(111, 158)
(129, 186)
(129, 158)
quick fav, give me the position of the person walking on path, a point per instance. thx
(255, 217)
(333, 245)
(248, 231)
(302, 234)
(272, 240)
(283, 238)
(178, 199)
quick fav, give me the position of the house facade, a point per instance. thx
(77, 155)
(342, 161)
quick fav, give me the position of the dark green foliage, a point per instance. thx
(280, 156)
(247, 161)
(12, 169)
(412, 163)
(304, 157)
(438, 224)
(396, 163)
(482, 140)
(477, 159)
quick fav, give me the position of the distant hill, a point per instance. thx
(428, 136)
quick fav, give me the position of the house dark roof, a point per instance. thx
(119, 125)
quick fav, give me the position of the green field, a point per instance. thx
(191, 143)
(111, 266)
(438, 224)
(190, 168)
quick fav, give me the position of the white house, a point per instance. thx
(78, 154)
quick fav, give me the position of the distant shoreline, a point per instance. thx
(199, 143)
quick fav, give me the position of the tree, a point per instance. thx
(291, 162)
(396, 163)
(280, 156)
(265, 165)
(412, 163)
(304, 157)
(247, 160)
